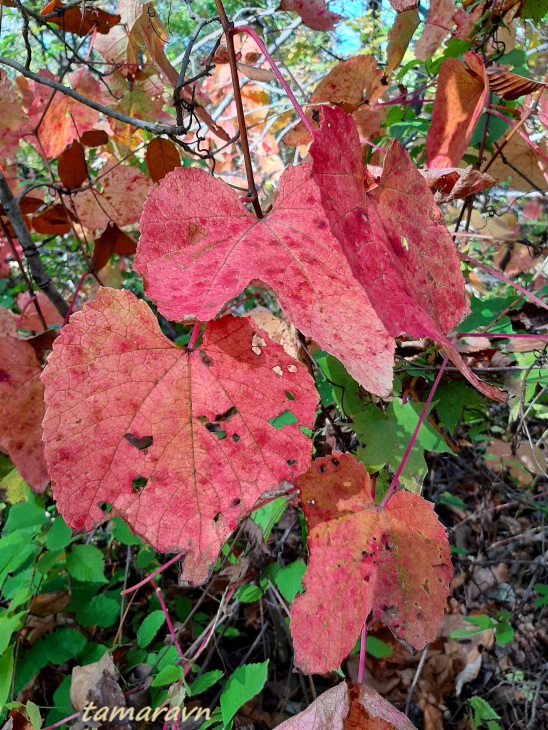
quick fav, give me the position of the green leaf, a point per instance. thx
(33, 713)
(483, 712)
(59, 535)
(123, 534)
(85, 563)
(102, 611)
(452, 398)
(504, 633)
(243, 684)
(377, 648)
(484, 311)
(207, 680)
(385, 436)
(63, 645)
(8, 626)
(345, 390)
(149, 628)
(536, 10)
(248, 594)
(6, 672)
(542, 590)
(167, 675)
(25, 516)
(288, 580)
(267, 516)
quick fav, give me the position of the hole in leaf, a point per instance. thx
(289, 395)
(217, 430)
(216, 518)
(105, 507)
(141, 443)
(284, 419)
(321, 469)
(236, 438)
(232, 411)
(291, 462)
(138, 484)
(235, 502)
(335, 462)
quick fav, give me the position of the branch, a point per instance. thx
(138, 123)
(32, 256)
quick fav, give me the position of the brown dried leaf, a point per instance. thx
(510, 86)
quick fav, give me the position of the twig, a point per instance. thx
(543, 676)
(42, 280)
(415, 681)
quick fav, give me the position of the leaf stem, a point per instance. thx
(63, 722)
(502, 336)
(247, 29)
(168, 619)
(363, 643)
(503, 278)
(194, 336)
(424, 413)
(159, 570)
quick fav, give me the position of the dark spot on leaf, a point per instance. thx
(236, 438)
(138, 484)
(235, 502)
(321, 469)
(140, 443)
(4, 377)
(335, 462)
(205, 358)
(291, 462)
(216, 518)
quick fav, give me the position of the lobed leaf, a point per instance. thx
(393, 563)
(177, 442)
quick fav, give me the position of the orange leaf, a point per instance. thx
(52, 222)
(72, 21)
(162, 156)
(458, 104)
(94, 138)
(393, 562)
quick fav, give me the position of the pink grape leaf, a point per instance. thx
(178, 442)
(8, 322)
(402, 6)
(113, 203)
(394, 238)
(199, 248)
(393, 562)
(438, 25)
(460, 97)
(65, 119)
(12, 118)
(22, 409)
(349, 706)
(314, 14)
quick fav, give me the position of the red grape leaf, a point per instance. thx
(438, 25)
(71, 166)
(394, 562)
(453, 183)
(178, 443)
(94, 138)
(21, 411)
(71, 20)
(8, 322)
(458, 104)
(314, 14)
(31, 321)
(349, 706)
(120, 200)
(393, 237)
(112, 240)
(53, 221)
(199, 248)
